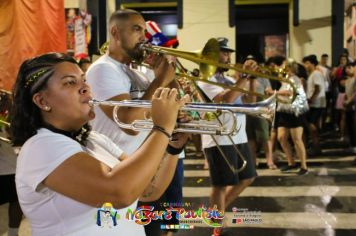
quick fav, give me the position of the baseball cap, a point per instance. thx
(223, 44)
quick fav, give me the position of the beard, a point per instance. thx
(136, 53)
(222, 70)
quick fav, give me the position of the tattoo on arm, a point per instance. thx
(152, 186)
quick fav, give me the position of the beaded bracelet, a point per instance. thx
(162, 130)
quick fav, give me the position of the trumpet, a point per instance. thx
(208, 61)
(264, 109)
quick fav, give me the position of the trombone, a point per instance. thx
(264, 109)
(208, 58)
(208, 66)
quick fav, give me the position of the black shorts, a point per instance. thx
(314, 115)
(220, 172)
(8, 189)
(257, 129)
(288, 120)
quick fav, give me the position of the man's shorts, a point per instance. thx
(8, 189)
(220, 172)
(314, 115)
(257, 129)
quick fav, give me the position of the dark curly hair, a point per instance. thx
(33, 76)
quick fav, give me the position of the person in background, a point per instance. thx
(345, 51)
(350, 88)
(7, 184)
(8, 159)
(324, 60)
(338, 91)
(325, 70)
(316, 99)
(349, 104)
(84, 64)
(302, 75)
(289, 120)
(257, 128)
(65, 171)
(340, 102)
(274, 63)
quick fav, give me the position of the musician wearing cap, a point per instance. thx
(65, 171)
(227, 182)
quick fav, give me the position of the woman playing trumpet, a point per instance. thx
(64, 170)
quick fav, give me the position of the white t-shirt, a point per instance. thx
(49, 212)
(261, 85)
(240, 137)
(109, 78)
(326, 74)
(316, 78)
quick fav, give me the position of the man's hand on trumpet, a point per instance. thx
(163, 67)
(250, 65)
(179, 140)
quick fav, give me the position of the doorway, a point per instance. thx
(261, 31)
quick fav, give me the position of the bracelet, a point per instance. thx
(174, 151)
(163, 131)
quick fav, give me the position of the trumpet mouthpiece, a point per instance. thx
(93, 102)
(142, 46)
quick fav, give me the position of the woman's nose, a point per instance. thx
(85, 88)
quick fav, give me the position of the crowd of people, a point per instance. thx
(75, 159)
(325, 102)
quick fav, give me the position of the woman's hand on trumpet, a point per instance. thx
(165, 107)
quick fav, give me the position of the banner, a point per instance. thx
(28, 28)
(80, 45)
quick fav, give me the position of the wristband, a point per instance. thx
(174, 151)
(162, 130)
